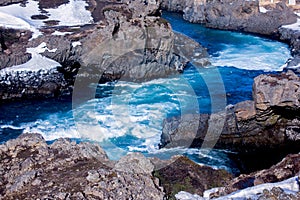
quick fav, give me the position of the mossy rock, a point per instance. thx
(185, 175)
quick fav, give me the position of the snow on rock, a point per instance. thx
(71, 14)
(187, 196)
(295, 26)
(37, 62)
(19, 17)
(58, 33)
(289, 186)
(262, 9)
(75, 44)
(9, 21)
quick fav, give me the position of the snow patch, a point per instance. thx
(187, 196)
(262, 9)
(9, 21)
(289, 186)
(295, 26)
(71, 14)
(19, 17)
(75, 44)
(58, 33)
(37, 62)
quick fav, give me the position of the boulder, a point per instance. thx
(32, 169)
(182, 174)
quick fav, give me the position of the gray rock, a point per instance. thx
(237, 15)
(135, 163)
(268, 122)
(128, 41)
(66, 170)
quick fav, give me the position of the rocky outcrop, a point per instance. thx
(31, 169)
(287, 168)
(180, 173)
(234, 15)
(290, 34)
(13, 47)
(8, 2)
(268, 124)
(128, 41)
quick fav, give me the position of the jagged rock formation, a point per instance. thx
(127, 40)
(237, 15)
(291, 35)
(31, 169)
(287, 168)
(270, 123)
(243, 16)
(183, 174)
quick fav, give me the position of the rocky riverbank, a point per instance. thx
(274, 20)
(127, 41)
(268, 124)
(31, 169)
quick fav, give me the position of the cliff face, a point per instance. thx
(236, 15)
(126, 40)
(270, 123)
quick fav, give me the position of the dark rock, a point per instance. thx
(13, 47)
(269, 123)
(287, 168)
(31, 169)
(8, 2)
(234, 15)
(183, 174)
(129, 41)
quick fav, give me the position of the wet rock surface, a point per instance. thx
(261, 127)
(31, 169)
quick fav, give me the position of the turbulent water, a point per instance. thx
(128, 116)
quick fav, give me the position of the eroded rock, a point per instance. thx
(31, 169)
(257, 128)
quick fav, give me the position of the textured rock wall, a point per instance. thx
(31, 169)
(237, 15)
(269, 122)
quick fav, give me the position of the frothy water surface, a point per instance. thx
(128, 116)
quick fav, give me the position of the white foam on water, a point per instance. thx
(11, 127)
(265, 55)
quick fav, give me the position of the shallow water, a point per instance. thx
(128, 116)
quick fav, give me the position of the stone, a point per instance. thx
(135, 163)
(257, 129)
(128, 40)
(235, 15)
(88, 174)
(182, 174)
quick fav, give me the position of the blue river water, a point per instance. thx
(128, 116)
